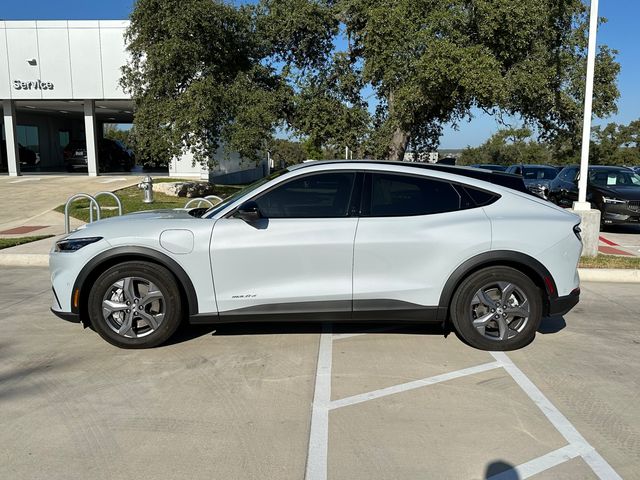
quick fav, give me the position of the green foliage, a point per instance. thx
(612, 145)
(204, 72)
(508, 147)
(286, 152)
(616, 144)
(196, 78)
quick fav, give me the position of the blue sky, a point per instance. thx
(621, 33)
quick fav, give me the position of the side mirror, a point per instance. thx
(248, 211)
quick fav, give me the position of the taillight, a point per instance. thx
(577, 230)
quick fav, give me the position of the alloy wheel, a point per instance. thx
(133, 307)
(500, 310)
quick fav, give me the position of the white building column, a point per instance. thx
(91, 137)
(13, 154)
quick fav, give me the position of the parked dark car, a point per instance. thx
(26, 156)
(536, 177)
(112, 156)
(495, 168)
(615, 191)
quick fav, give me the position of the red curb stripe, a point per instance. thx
(614, 251)
(608, 242)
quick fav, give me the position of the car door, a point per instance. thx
(297, 258)
(413, 232)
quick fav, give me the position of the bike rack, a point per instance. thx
(92, 203)
(112, 195)
(214, 197)
(199, 200)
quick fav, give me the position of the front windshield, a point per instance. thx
(614, 178)
(539, 173)
(249, 188)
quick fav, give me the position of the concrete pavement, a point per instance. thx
(237, 401)
(28, 199)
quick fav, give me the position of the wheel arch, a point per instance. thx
(101, 262)
(522, 262)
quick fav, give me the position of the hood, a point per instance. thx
(135, 217)
(623, 192)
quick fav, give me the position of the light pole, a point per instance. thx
(582, 203)
(590, 223)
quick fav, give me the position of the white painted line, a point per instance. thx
(111, 180)
(540, 464)
(342, 336)
(598, 464)
(31, 179)
(319, 432)
(403, 387)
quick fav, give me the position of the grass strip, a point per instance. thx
(610, 261)
(12, 242)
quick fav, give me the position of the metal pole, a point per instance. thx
(582, 203)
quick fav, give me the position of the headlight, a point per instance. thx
(73, 244)
(613, 200)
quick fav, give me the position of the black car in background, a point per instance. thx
(112, 156)
(615, 191)
(536, 177)
(487, 166)
(26, 156)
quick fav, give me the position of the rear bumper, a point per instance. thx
(68, 316)
(562, 305)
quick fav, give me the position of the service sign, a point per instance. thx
(32, 85)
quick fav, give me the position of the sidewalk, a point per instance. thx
(27, 201)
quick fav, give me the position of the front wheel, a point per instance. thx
(497, 308)
(135, 305)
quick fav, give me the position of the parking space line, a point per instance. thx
(598, 464)
(317, 462)
(540, 464)
(319, 431)
(111, 180)
(342, 336)
(28, 179)
(403, 387)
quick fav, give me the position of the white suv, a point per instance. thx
(331, 241)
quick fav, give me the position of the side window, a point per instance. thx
(323, 195)
(569, 174)
(393, 195)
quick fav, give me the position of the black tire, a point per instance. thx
(170, 304)
(462, 310)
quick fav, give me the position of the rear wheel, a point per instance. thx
(135, 305)
(497, 308)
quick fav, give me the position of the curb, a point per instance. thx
(24, 259)
(610, 275)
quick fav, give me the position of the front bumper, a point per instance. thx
(562, 305)
(617, 214)
(68, 316)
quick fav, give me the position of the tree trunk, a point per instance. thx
(398, 144)
(399, 139)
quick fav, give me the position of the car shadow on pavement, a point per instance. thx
(502, 470)
(551, 325)
(189, 332)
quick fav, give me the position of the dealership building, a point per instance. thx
(59, 86)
